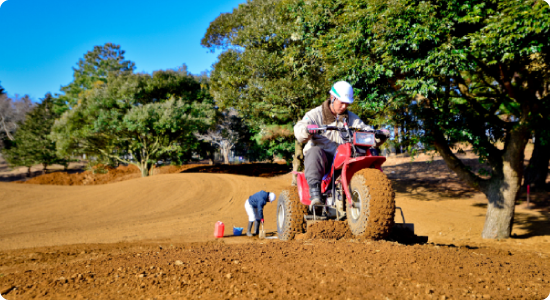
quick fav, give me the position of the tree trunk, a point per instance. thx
(145, 168)
(500, 209)
(503, 186)
(225, 156)
(503, 189)
(298, 161)
(537, 170)
(396, 143)
(29, 171)
(210, 155)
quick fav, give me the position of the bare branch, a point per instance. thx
(225, 135)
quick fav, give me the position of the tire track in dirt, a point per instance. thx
(178, 206)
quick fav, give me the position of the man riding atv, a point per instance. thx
(321, 147)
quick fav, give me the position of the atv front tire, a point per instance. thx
(290, 214)
(372, 214)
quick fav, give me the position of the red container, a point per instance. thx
(218, 230)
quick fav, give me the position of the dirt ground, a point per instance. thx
(152, 238)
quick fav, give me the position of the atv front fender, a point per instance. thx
(355, 164)
(303, 187)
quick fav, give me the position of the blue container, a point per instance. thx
(238, 231)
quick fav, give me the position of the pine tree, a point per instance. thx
(32, 144)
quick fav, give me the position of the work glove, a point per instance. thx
(313, 129)
(380, 136)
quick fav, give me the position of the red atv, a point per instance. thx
(355, 189)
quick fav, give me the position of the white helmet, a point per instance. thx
(343, 91)
(272, 197)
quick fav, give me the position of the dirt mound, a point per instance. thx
(328, 230)
(272, 270)
(88, 177)
(172, 169)
(339, 230)
(58, 178)
(122, 173)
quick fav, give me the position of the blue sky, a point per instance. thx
(43, 40)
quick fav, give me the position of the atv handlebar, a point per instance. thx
(379, 134)
(341, 129)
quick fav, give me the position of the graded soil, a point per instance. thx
(273, 270)
(152, 238)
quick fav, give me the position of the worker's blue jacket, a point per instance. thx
(258, 201)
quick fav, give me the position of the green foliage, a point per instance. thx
(32, 144)
(263, 72)
(94, 69)
(137, 118)
(273, 141)
(16, 154)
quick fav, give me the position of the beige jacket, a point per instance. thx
(330, 139)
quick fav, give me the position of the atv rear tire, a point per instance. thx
(372, 215)
(290, 214)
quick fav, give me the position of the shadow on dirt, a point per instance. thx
(256, 169)
(534, 225)
(406, 237)
(419, 179)
(480, 205)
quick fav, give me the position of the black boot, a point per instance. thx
(249, 230)
(257, 229)
(314, 194)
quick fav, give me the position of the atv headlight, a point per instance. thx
(364, 139)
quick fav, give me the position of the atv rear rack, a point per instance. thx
(314, 218)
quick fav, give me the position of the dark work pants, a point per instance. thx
(316, 162)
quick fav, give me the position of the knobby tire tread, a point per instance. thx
(294, 219)
(378, 211)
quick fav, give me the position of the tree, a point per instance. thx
(17, 155)
(12, 113)
(469, 70)
(136, 118)
(227, 133)
(94, 69)
(31, 143)
(276, 141)
(263, 72)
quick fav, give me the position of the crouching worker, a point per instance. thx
(254, 206)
